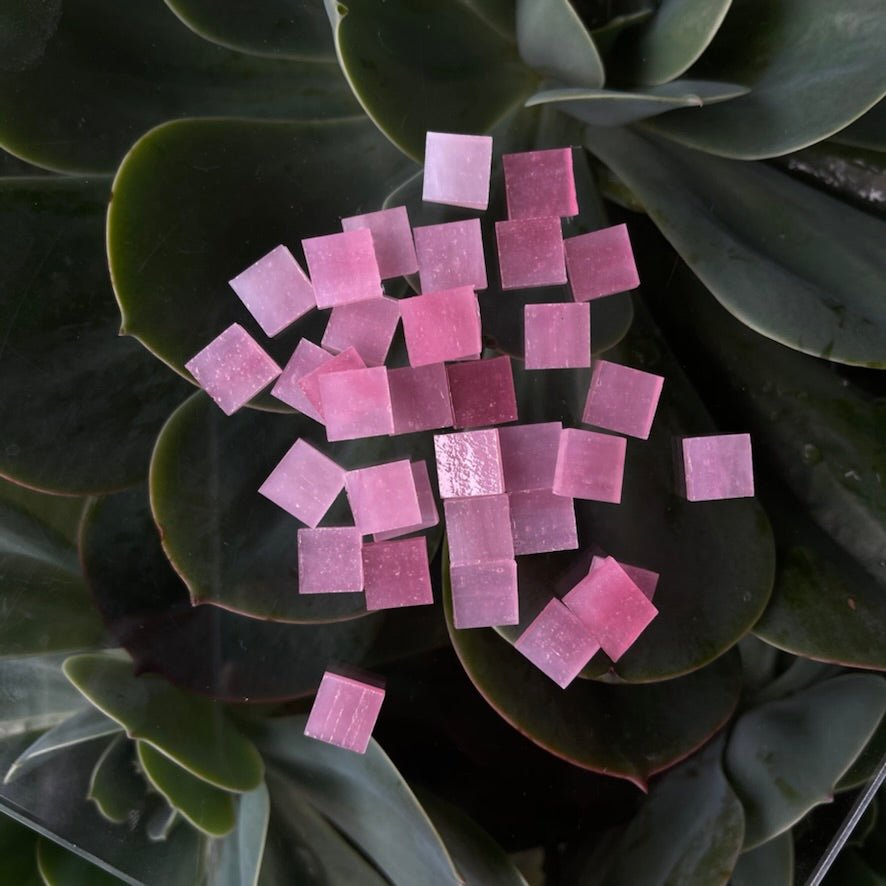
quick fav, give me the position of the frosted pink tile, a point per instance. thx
(540, 184)
(529, 455)
(309, 383)
(305, 358)
(366, 326)
(383, 497)
(622, 399)
(305, 483)
(330, 560)
(557, 336)
(343, 267)
(457, 169)
(441, 326)
(645, 579)
(232, 368)
(478, 529)
(601, 263)
(356, 403)
(426, 504)
(612, 608)
(420, 398)
(344, 712)
(450, 255)
(484, 594)
(542, 522)
(275, 290)
(469, 464)
(530, 253)
(718, 466)
(557, 643)
(482, 392)
(396, 574)
(590, 465)
(391, 237)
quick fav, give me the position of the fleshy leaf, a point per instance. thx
(784, 757)
(237, 860)
(60, 513)
(869, 131)
(18, 849)
(812, 69)
(34, 694)
(747, 230)
(61, 867)
(771, 863)
(115, 785)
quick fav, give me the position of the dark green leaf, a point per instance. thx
(34, 694)
(61, 867)
(867, 762)
(869, 131)
(237, 859)
(60, 513)
(160, 821)
(771, 863)
(26, 26)
(18, 849)
(115, 785)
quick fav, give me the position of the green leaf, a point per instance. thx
(115, 785)
(96, 90)
(419, 65)
(81, 406)
(771, 863)
(747, 231)
(812, 69)
(34, 694)
(867, 131)
(26, 27)
(160, 822)
(237, 859)
(867, 762)
(783, 758)
(60, 513)
(190, 730)
(18, 849)
(61, 867)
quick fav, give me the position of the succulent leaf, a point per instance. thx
(60, 867)
(771, 863)
(18, 848)
(115, 785)
(237, 859)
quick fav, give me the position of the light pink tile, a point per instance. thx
(469, 464)
(484, 594)
(645, 579)
(482, 392)
(329, 560)
(450, 255)
(344, 712)
(383, 497)
(622, 399)
(590, 465)
(529, 455)
(343, 267)
(457, 169)
(530, 253)
(557, 336)
(391, 237)
(718, 466)
(601, 263)
(420, 398)
(441, 326)
(426, 504)
(309, 383)
(396, 574)
(356, 403)
(542, 522)
(478, 529)
(305, 358)
(540, 184)
(366, 326)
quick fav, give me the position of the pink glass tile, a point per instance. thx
(420, 398)
(718, 466)
(450, 255)
(426, 504)
(305, 483)
(344, 712)
(557, 643)
(612, 608)
(539, 184)
(232, 368)
(356, 403)
(396, 574)
(275, 290)
(542, 522)
(469, 464)
(485, 594)
(622, 399)
(601, 263)
(457, 169)
(383, 497)
(391, 237)
(590, 465)
(309, 383)
(530, 253)
(557, 336)
(343, 267)
(645, 579)
(478, 529)
(529, 455)
(305, 358)
(441, 326)
(330, 560)
(482, 392)
(366, 326)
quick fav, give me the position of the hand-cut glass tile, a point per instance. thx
(457, 169)
(529, 455)
(478, 529)
(344, 712)
(450, 255)
(469, 464)
(482, 392)
(232, 368)
(622, 399)
(441, 326)
(557, 336)
(356, 403)
(590, 465)
(601, 263)
(426, 504)
(391, 237)
(305, 483)
(420, 398)
(645, 579)
(612, 608)
(396, 573)
(309, 383)
(484, 594)
(305, 358)
(343, 267)
(383, 497)
(542, 522)
(557, 643)
(539, 184)
(275, 290)
(718, 466)
(530, 253)
(330, 560)
(366, 326)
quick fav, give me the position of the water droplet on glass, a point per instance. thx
(811, 454)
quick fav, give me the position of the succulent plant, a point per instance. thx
(150, 153)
